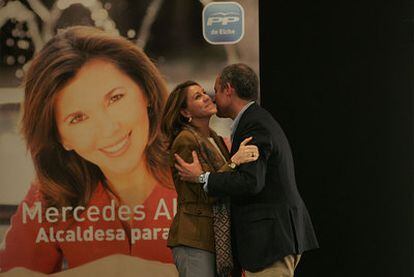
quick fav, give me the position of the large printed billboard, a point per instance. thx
(114, 231)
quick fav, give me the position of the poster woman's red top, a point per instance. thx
(76, 242)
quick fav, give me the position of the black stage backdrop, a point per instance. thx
(339, 76)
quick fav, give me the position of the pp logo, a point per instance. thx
(223, 22)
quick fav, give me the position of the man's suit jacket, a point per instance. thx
(269, 218)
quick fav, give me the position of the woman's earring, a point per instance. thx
(190, 119)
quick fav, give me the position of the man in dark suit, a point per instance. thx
(271, 226)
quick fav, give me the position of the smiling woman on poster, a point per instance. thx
(91, 120)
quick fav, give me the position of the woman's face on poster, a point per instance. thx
(102, 115)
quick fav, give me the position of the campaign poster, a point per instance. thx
(186, 40)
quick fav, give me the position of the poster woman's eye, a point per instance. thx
(115, 98)
(77, 118)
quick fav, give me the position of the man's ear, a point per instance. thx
(229, 89)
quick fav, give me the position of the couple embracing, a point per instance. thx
(238, 210)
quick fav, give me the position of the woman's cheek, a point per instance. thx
(80, 138)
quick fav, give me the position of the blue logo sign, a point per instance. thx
(223, 22)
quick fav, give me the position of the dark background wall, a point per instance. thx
(339, 76)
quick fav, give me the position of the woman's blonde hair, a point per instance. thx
(172, 119)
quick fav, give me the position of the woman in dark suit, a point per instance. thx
(192, 237)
